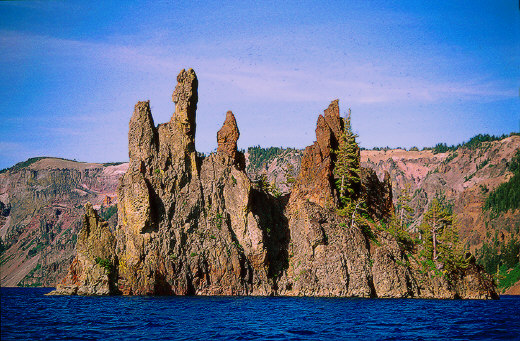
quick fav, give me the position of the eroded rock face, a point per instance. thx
(327, 256)
(197, 226)
(228, 135)
(93, 271)
(185, 98)
(315, 181)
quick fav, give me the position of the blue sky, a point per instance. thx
(416, 73)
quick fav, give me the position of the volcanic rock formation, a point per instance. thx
(91, 272)
(192, 225)
(227, 138)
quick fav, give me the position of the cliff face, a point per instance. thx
(42, 205)
(465, 175)
(197, 226)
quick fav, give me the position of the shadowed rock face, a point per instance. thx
(197, 226)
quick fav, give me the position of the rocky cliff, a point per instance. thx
(465, 175)
(191, 225)
(41, 203)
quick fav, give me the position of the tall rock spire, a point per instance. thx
(142, 135)
(227, 138)
(315, 181)
(185, 98)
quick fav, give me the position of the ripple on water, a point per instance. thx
(28, 314)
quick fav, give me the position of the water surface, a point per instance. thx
(26, 314)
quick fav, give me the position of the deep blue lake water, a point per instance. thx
(26, 314)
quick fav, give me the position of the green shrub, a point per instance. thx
(107, 212)
(104, 263)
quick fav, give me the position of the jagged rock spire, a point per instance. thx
(185, 97)
(315, 181)
(227, 138)
(228, 135)
(142, 135)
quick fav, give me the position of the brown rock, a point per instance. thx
(227, 138)
(93, 270)
(142, 135)
(185, 98)
(315, 181)
(332, 117)
(391, 276)
(107, 201)
(228, 135)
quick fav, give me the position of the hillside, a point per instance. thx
(466, 176)
(41, 202)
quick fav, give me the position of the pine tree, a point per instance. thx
(435, 220)
(347, 168)
(440, 236)
(400, 219)
(405, 212)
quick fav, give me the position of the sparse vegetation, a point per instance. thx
(450, 158)
(107, 212)
(104, 263)
(23, 164)
(482, 164)
(35, 250)
(506, 196)
(263, 184)
(28, 162)
(218, 221)
(507, 277)
(289, 178)
(440, 239)
(107, 164)
(502, 260)
(473, 143)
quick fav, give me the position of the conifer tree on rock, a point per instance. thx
(347, 162)
(403, 208)
(347, 166)
(440, 236)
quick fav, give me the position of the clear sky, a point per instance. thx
(414, 74)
